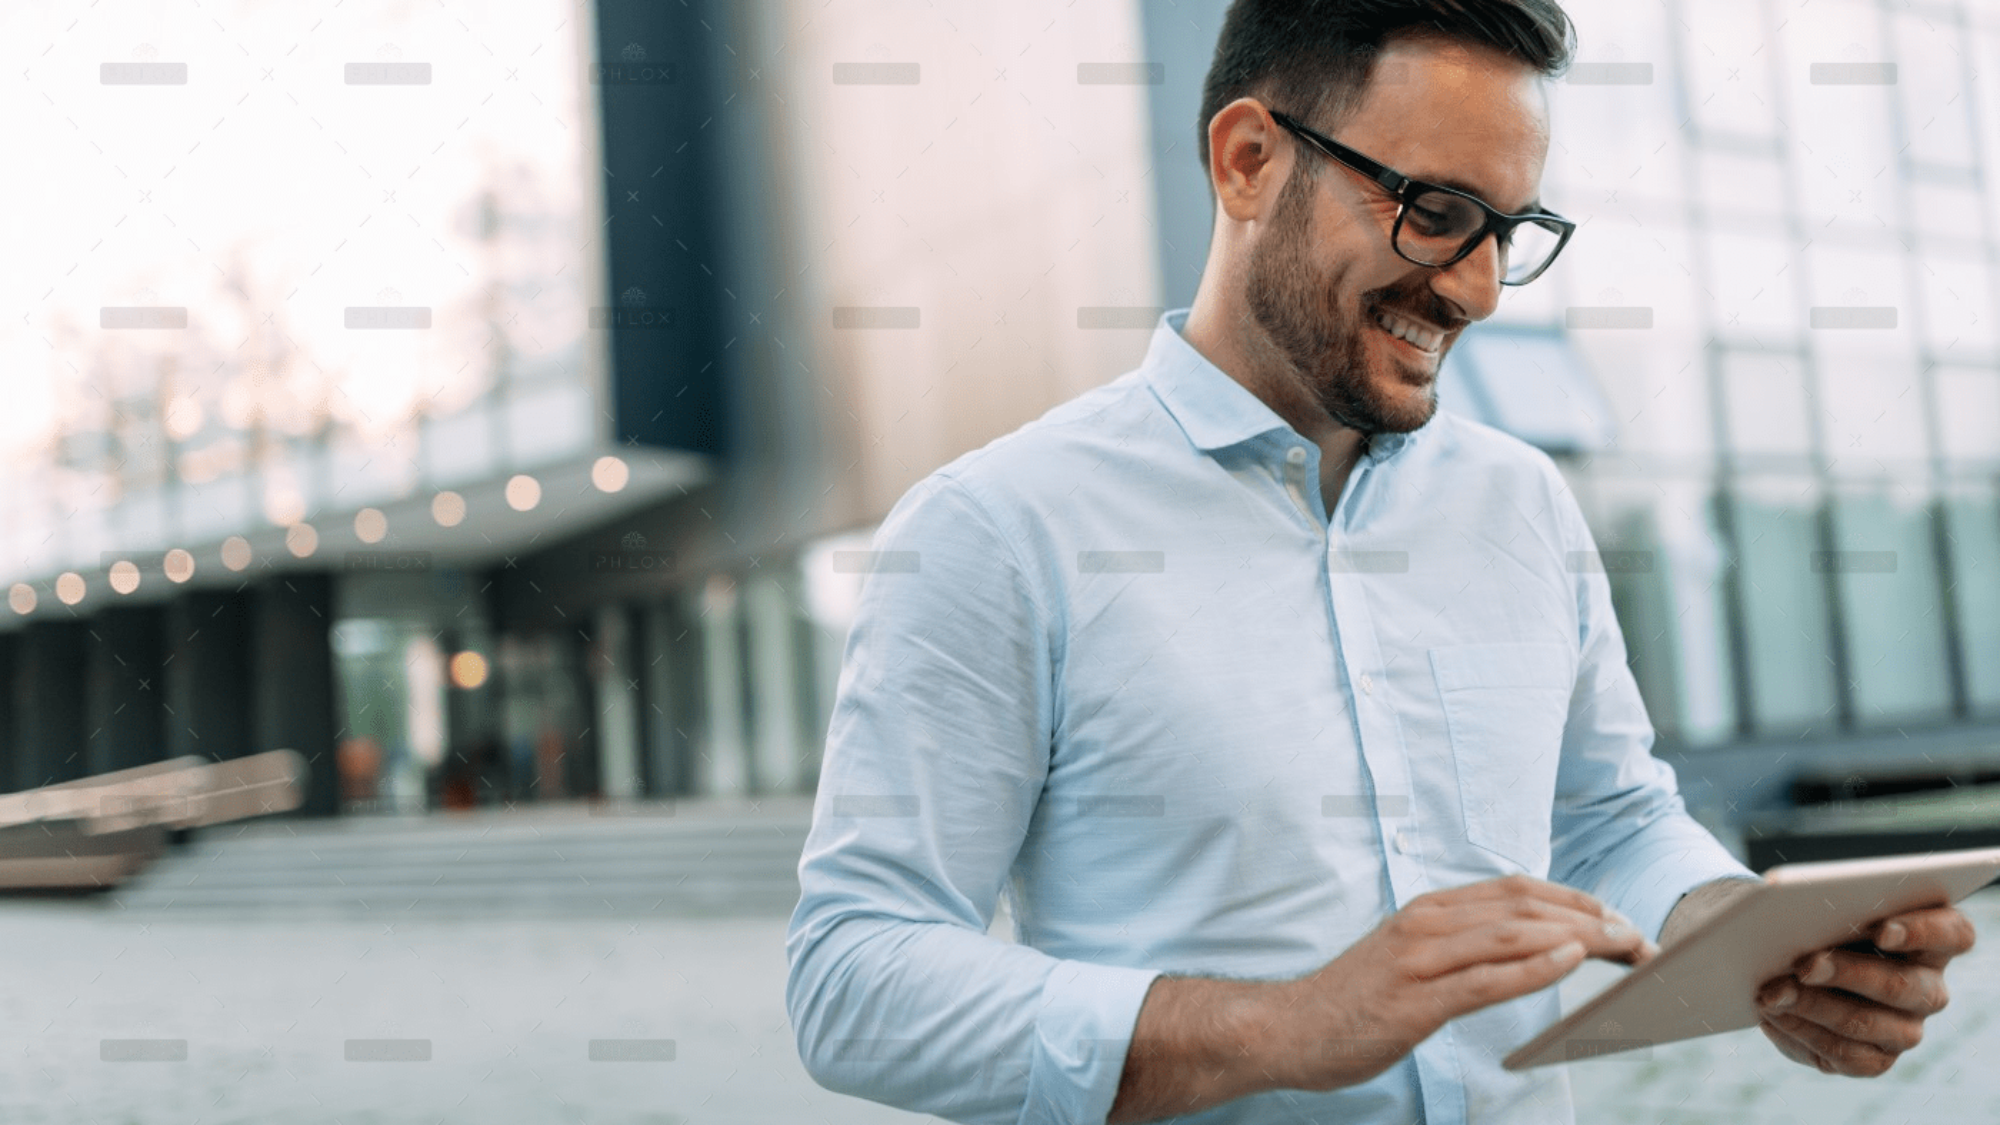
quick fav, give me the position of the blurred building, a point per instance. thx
(540, 479)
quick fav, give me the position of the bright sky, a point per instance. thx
(268, 170)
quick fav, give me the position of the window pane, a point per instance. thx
(1958, 307)
(1887, 576)
(1840, 133)
(1766, 398)
(1969, 412)
(1975, 562)
(1858, 279)
(1930, 81)
(1872, 406)
(1946, 214)
(1738, 185)
(1727, 75)
(1784, 607)
(1752, 283)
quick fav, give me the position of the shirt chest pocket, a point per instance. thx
(1505, 706)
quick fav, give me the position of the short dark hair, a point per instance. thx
(1312, 57)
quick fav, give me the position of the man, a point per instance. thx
(1273, 697)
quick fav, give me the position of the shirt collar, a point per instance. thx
(1214, 410)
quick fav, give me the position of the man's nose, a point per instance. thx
(1472, 284)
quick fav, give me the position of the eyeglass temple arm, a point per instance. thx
(1390, 179)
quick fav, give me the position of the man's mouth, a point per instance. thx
(1420, 337)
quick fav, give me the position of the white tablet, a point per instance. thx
(1707, 981)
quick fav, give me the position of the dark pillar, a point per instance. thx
(580, 773)
(670, 656)
(208, 675)
(48, 702)
(667, 193)
(10, 717)
(292, 689)
(127, 689)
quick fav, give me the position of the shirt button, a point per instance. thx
(1367, 684)
(1296, 455)
(1403, 841)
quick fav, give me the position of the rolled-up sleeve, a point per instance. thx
(1621, 830)
(934, 761)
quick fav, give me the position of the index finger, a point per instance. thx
(1931, 936)
(1513, 887)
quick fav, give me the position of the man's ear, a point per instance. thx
(1248, 160)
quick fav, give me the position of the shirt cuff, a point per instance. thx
(1655, 884)
(1085, 1025)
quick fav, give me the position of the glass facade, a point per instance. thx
(1768, 363)
(1820, 370)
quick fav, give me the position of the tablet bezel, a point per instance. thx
(1713, 972)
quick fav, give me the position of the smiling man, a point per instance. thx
(1273, 697)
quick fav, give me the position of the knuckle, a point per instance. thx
(1896, 987)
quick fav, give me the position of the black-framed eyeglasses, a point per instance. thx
(1437, 226)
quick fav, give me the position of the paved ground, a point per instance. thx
(269, 1010)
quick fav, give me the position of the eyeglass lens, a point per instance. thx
(1437, 225)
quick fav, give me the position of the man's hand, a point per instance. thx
(1200, 1043)
(1854, 1009)
(1443, 955)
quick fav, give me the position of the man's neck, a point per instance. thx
(1245, 355)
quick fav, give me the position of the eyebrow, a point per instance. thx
(1534, 205)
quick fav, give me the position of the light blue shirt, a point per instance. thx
(1120, 666)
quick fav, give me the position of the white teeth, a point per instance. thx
(1423, 339)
